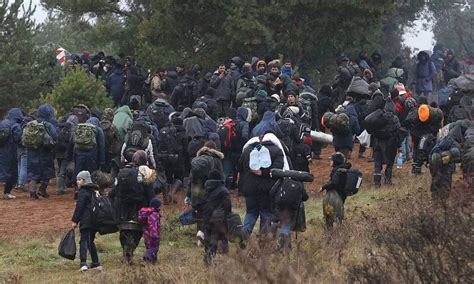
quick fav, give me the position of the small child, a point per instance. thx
(150, 216)
(83, 216)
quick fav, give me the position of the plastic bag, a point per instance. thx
(364, 139)
(67, 246)
(187, 217)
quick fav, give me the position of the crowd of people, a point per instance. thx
(179, 130)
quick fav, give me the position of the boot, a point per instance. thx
(42, 191)
(21, 188)
(33, 194)
(283, 243)
(388, 177)
(378, 180)
(61, 185)
(416, 170)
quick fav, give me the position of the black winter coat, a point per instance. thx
(83, 212)
(218, 201)
(337, 180)
(251, 184)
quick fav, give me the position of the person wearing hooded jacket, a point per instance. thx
(41, 160)
(451, 68)
(216, 207)
(255, 185)
(210, 103)
(89, 160)
(425, 73)
(115, 84)
(123, 119)
(268, 123)
(8, 149)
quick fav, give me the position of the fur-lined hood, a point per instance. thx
(204, 150)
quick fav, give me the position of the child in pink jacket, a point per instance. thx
(150, 216)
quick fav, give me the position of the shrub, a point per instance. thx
(77, 88)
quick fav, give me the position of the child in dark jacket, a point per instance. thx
(83, 216)
(151, 216)
(215, 211)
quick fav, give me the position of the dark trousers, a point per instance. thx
(213, 233)
(129, 240)
(86, 243)
(385, 151)
(441, 180)
(222, 108)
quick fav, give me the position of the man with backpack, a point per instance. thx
(10, 138)
(209, 101)
(87, 149)
(39, 137)
(113, 143)
(123, 119)
(185, 92)
(139, 138)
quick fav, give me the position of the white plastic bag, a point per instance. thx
(364, 139)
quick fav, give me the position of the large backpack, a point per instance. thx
(64, 135)
(288, 194)
(84, 137)
(103, 214)
(252, 105)
(112, 139)
(137, 138)
(169, 147)
(129, 190)
(5, 133)
(246, 90)
(227, 132)
(158, 112)
(35, 135)
(353, 182)
(340, 124)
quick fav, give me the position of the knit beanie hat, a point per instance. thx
(155, 203)
(86, 176)
(338, 158)
(373, 87)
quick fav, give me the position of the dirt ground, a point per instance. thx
(23, 216)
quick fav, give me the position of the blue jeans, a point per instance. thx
(257, 206)
(285, 228)
(405, 149)
(86, 243)
(228, 166)
(22, 166)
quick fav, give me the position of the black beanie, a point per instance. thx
(155, 203)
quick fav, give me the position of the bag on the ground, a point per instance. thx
(103, 214)
(5, 134)
(35, 135)
(137, 138)
(353, 182)
(84, 137)
(67, 246)
(127, 184)
(227, 133)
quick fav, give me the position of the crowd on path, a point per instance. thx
(233, 129)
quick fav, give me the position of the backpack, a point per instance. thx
(340, 124)
(64, 135)
(111, 136)
(227, 132)
(252, 105)
(246, 90)
(157, 112)
(84, 137)
(289, 193)
(353, 182)
(128, 187)
(169, 148)
(137, 138)
(35, 135)
(103, 213)
(5, 134)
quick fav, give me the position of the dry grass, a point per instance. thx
(317, 256)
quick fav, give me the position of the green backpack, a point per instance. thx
(84, 136)
(35, 135)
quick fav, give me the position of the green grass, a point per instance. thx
(34, 258)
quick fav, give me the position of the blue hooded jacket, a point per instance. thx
(8, 162)
(268, 123)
